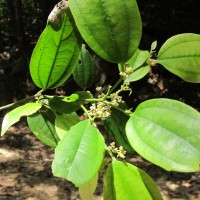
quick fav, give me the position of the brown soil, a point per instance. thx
(25, 173)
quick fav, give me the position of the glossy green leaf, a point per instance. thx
(125, 181)
(55, 55)
(82, 95)
(69, 104)
(180, 55)
(60, 105)
(115, 125)
(42, 124)
(88, 189)
(64, 122)
(79, 154)
(167, 133)
(139, 65)
(111, 28)
(71, 98)
(85, 71)
(14, 116)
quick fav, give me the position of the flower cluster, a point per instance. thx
(119, 151)
(99, 110)
(116, 99)
(125, 86)
(127, 72)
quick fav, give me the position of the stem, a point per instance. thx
(23, 101)
(110, 153)
(86, 111)
(116, 107)
(101, 99)
(16, 103)
(116, 84)
(93, 100)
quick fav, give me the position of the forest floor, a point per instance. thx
(25, 173)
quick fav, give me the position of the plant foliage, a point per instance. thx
(165, 132)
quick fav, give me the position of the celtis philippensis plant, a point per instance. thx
(165, 132)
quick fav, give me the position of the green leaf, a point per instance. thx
(64, 122)
(180, 55)
(85, 71)
(55, 55)
(125, 181)
(88, 189)
(61, 105)
(71, 98)
(69, 104)
(139, 65)
(14, 116)
(115, 125)
(42, 124)
(111, 28)
(82, 95)
(79, 154)
(167, 133)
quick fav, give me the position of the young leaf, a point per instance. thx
(153, 46)
(166, 132)
(79, 154)
(55, 55)
(71, 98)
(64, 122)
(115, 125)
(14, 116)
(125, 181)
(88, 189)
(42, 124)
(85, 71)
(139, 65)
(111, 28)
(180, 55)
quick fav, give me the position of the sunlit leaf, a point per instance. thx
(14, 116)
(79, 154)
(42, 124)
(55, 55)
(139, 65)
(167, 133)
(180, 55)
(64, 122)
(71, 98)
(111, 28)
(88, 189)
(125, 181)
